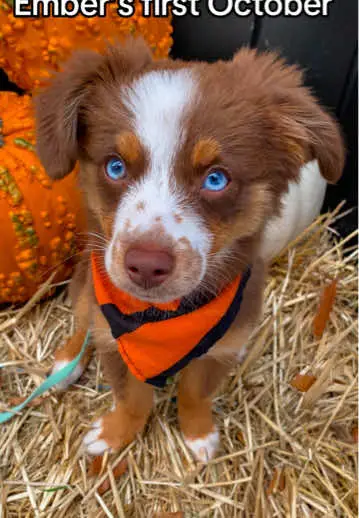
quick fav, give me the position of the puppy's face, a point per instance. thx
(181, 164)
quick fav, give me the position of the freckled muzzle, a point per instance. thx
(154, 266)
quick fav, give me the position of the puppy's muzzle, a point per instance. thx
(147, 266)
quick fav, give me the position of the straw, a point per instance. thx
(266, 425)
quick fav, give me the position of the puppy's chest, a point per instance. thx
(157, 341)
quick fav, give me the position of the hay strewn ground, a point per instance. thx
(267, 426)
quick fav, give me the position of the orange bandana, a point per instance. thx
(158, 340)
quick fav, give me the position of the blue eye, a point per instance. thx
(115, 168)
(216, 180)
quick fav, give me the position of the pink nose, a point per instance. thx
(148, 268)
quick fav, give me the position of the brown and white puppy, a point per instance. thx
(183, 166)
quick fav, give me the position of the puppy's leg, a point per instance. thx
(132, 406)
(80, 296)
(132, 398)
(202, 377)
(198, 383)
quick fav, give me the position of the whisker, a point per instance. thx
(95, 235)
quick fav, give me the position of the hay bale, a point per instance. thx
(288, 415)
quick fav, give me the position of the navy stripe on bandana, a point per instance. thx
(121, 323)
(217, 332)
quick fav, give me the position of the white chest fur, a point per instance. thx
(301, 205)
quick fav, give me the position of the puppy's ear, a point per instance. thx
(305, 129)
(312, 131)
(59, 108)
(57, 111)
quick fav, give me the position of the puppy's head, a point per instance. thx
(182, 164)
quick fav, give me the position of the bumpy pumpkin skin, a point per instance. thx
(32, 48)
(39, 219)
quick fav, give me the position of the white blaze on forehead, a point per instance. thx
(159, 102)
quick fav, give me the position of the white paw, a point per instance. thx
(204, 448)
(92, 443)
(74, 376)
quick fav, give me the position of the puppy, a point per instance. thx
(194, 176)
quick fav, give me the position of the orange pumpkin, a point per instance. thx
(32, 48)
(38, 218)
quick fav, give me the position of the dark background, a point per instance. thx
(326, 47)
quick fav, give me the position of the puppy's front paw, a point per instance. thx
(66, 354)
(72, 378)
(113, 431)
(93, 441)
(204, 448)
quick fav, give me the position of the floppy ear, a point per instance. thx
(305, 129)
(58, 109)
(316, 132)
(57, 112)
